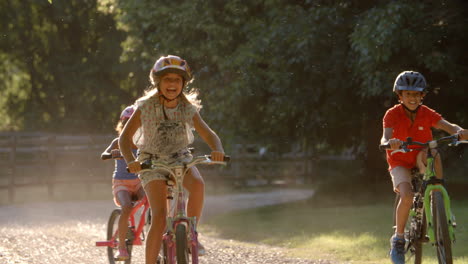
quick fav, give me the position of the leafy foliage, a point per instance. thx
(309, 75)
(66, 58)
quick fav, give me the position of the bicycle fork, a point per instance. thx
(178, 216)
(448, 211)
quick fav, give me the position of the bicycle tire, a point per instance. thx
(416, 243)
(181, 244)
(112, 226)
(443, 243)
(146, 226)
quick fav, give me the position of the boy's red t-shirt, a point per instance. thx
(419, 130)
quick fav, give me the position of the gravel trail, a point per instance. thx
(65, 232)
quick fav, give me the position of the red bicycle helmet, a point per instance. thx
(127, 112)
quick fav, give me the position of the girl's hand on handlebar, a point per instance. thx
(134, 166)
(217, 156)
(395, 143)
(116, 154)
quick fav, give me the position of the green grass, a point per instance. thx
(344, 230)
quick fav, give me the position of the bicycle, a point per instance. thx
(180, 239)
(431, 218)
(136, 231)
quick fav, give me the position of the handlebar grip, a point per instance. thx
(384, 147)
(226, 158)
(106, 156)
(144, 166)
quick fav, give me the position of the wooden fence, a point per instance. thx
(49, 160)
(37, 159)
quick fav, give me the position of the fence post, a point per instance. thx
(236, 165)
(88, 184)
(11, 183)
(51, 156)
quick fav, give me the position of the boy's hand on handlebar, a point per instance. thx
(462, 134)
(217, 156)
(134, 166)
(395, 143)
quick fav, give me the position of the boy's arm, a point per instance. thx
(448, 127)
(209, 136)
(113, 145)
(452, 129)
(387, 138)
(387, 135)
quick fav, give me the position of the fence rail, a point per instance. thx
(48, 160)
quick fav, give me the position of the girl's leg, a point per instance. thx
(156, 191)
(141, 193)
(194, 183)
(125, 202)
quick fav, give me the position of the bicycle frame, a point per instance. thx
(430, 215)
(142, 203)
(430, 183)
(176, 209)
(177, 214)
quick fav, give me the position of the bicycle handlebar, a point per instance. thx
(196, 160)
(109, 156)
(451, 140)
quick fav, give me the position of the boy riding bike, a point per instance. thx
(126, 187)
(161, 128)
(412, 119)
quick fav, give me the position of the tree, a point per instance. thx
(65, 56)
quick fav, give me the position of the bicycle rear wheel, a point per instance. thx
(419, 236)
(181, 244)
(414, 232)
(443, 243)
(112, 227)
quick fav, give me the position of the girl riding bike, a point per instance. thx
(412, 119)
(161, 128)
(126, 187)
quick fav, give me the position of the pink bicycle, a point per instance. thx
(180, 240)
(138, 222)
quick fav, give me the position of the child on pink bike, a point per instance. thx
(412, 119)
(161, 128)
(126, 187)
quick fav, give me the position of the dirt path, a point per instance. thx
(65, 232)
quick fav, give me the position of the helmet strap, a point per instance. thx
(409, 110)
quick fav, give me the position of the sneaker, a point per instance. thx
(123, 254)
(397, 251)
(201, 249)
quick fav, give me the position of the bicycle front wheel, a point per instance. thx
(112, 233)
(181, 244)
(443, 243)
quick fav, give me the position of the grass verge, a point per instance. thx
(344, 230)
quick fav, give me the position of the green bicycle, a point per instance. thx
(431, 218)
